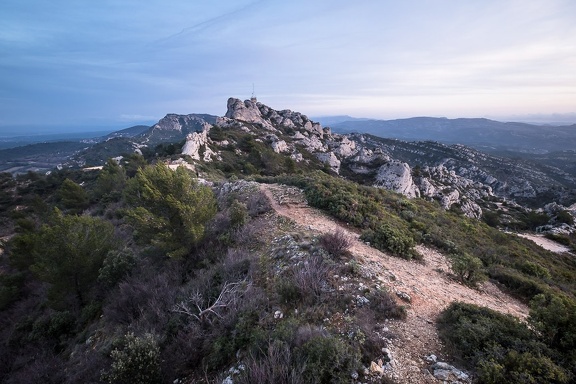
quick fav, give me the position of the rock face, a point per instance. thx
(330, 159)
(176, 127)
(247, 111)
(397, 176)
(196, 143)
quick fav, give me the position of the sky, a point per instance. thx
(116, 63)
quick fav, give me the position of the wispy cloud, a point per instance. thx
(378, 58)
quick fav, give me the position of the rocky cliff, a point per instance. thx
(175, 127)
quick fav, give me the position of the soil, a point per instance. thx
(429, 283)
(545, 243)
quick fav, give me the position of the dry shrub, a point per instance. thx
(336, 243)
(250, 233)
(184, 351)
(385, 307)
(237, 264)
(219, 224)
(258, 204)
(141, 300)
(274, 367)
(311, 277)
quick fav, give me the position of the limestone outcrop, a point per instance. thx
(396, 176)
(246, 111)
(197, 143)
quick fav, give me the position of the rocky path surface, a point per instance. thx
(429, 286)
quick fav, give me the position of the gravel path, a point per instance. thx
(429, 285)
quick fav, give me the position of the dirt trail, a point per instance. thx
(545, 243)
(428, 284)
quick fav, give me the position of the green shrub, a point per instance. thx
(73, 197)
(498, 346)
(468, 269)
(526, 287)
(238, 214)
(564, 216)
(554, 316)
(116, 265)
(288, 291)
(559, 238)
(169, 208)
(387, 238)
(521, 367)
(68, 254)
(327, 359)
(10, 285)
(52, 325)
(136, 362)
(533, 269)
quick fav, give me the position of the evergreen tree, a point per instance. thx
(169, 208)
(73, 197)
(111, 181)
(69, 252)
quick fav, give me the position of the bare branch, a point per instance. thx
(229, 295)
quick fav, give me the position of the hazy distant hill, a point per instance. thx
(38, 157)
(479, 133)
(330, 120)
(129, 132)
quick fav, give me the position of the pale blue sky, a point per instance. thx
(117, 63)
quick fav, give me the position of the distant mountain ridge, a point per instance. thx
(330, 120)
(479, 133)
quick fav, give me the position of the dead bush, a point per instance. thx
(250, 233)
(237, 264)
(276, 366)
(219, 224)
(384, 306)
(143, 301)
(258, 204)
(311, 277)
(336, 243)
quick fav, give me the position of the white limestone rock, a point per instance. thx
(330, 159)
(471, 209)
(314, 144)
(247, 111)
(298, 136)
(427, 189)
(279, 146)
(397, 176)
(345, 147)
(195, 142)
(449, 198)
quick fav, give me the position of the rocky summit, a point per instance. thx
(454, 175)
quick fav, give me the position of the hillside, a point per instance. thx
(262, 247)
(428, 285)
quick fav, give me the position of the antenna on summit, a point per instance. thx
(253, 98)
